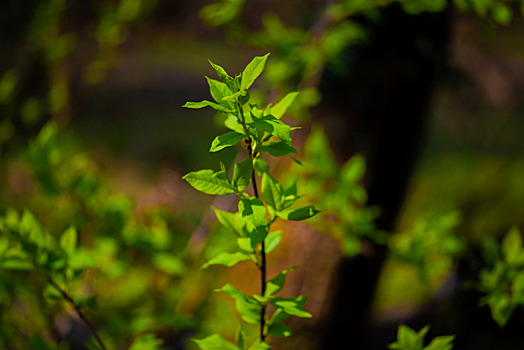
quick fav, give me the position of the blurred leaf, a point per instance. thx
(146, 342)
(214, 342)
(68, 241)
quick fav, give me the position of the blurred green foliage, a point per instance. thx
(408, 339)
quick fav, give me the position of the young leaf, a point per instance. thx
(280, 316)
(259, 345)
(290, 196)
(441, 343)
(15, 259)
(219, 90)
(205, 103)
(241, 339)
(232, 123)
(68, 241)
(298, 214)
(214, 342)
(290, 306)
(222, 74)
(279, 149)
(232, 221)
(146, 342)
(261, 166)
(253, 211)
(278, 330)
(275, 127)
(353, 169)
(271, 191)
(225, 140)
(279, 109)
(236, 294)
(275, 285)
(252, 71)
(512, 245)
(242, 174)
(272, 241)
(258, 235)
(248, 311)
(245, 244)
(227, 259)
(210, 182)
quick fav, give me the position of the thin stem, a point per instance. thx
(78, 311)
(262, 250)
(262, 272)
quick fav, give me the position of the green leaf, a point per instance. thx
(205, 103)
(275, 127)
(232, 123)
(252, 71)
(215, 342)
(298, 214)
(512, 245)
(279, 330)
(232, 221)
(241, 339)
(279, 149)
(253, 211)
(245, 244)
(16, 259)
(222, 74)
(261, 166)
(242, 174)
(279, 109)
(273, 240)
(407, 338)
(169, 263)
(236, 294)
(441, 343)
(219, 90)
(68, 241)
(259, 345)
(290, 306)
(353, 170)
(227, 259)
(225, 140)
(258, 235)
(280, 316)
(31, 229)
(275, 285)
(290, 196)
(272, 191)
(146, 342)
(248, 311)
(210, 182)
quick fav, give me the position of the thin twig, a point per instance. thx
(78, 311)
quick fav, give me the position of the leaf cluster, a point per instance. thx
(503, 280)
(263, 132)
(408, 339)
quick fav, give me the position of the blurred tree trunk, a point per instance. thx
(379, 108)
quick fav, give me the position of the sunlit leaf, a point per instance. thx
(252, 71)
(227, 259)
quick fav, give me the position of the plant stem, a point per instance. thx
(78, 311)
(262, 272)
(262, 250)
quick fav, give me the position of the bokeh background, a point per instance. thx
(92, 134)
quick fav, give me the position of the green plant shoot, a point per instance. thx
(262, 131)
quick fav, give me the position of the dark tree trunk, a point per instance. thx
(379, 108)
